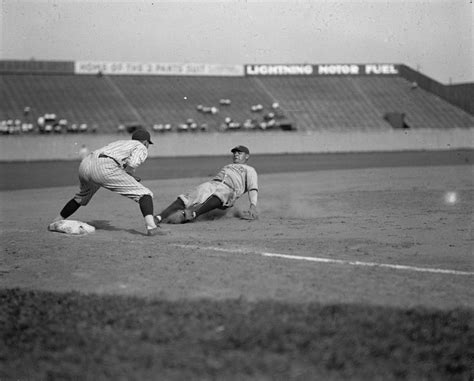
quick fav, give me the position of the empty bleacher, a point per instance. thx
(163, 99)
(361, 102)
(309, 103)
(79, 99)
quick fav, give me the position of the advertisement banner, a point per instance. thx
(140, 68)
(356, 69)
(304, 69)
(321, 69)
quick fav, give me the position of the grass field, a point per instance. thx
(75, 336)
(349, 274)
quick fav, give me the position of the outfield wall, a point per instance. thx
(66, 147)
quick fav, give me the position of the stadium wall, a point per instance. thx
(66, 147)
(36, 67)
(461, 95)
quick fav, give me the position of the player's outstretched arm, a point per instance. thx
(253, 197)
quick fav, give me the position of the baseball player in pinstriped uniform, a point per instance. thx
(231, 182)
(112, 167)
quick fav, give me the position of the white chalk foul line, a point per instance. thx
(330, 260)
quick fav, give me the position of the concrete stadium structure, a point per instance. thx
(329, 108)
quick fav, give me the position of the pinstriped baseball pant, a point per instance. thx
(95, 172)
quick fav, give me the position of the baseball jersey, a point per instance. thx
(240, 177)
(109, 171)
(130, 153)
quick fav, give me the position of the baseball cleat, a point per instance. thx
(189, 215)
(156, 231)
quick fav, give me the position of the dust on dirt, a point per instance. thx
(384, 215)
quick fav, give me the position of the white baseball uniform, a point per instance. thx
(105, 168)
(230, 183)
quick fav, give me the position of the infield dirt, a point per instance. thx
(228, 299)
(384, 215)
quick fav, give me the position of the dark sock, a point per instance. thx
(146, 205)
(211, 203)
(176, 205)
(69, 208)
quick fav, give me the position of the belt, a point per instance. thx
(101, 155)
(223, 182)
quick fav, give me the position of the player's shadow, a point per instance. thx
(105, 225)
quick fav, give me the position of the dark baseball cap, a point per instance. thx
(141, 135)
(240, 149)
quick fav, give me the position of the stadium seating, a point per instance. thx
(307, 103)
(361, 102)
(79, 99)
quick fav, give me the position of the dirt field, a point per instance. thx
(359, 268)
(326, 222)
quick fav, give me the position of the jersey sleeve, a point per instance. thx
(252, 179)
(137, 156)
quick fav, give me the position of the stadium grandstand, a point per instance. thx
(263, 99)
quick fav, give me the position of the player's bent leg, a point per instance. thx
(176, 205)
(68, 210)
(146, 207)
(213, 202)
(85, 194)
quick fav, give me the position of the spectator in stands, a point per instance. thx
(271, 123)
(193, 127)
(208, 110)
(49, 123)
(57, 128)
(71, 128)
(40, 123)
(269, 116)
(183, 127)
(83, 151)
(15, 127)
(121, 128)
(3, 127)
(26, 127)
(234, 125)
(250, 124)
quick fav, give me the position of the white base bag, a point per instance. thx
(71, 227)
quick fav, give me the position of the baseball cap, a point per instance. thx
(240, 149)
(142, 134)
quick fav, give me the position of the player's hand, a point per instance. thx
(253, 213)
